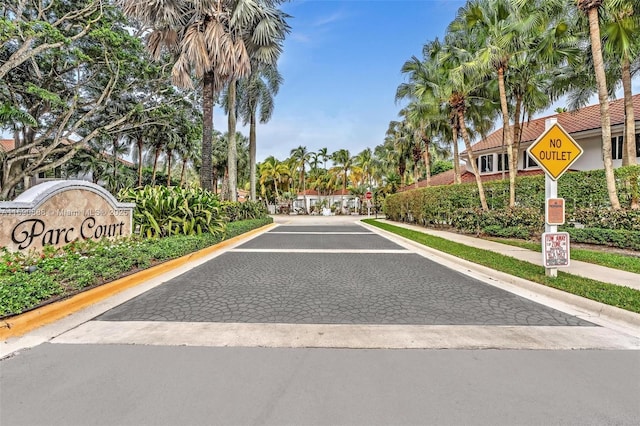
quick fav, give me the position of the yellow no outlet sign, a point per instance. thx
(555, 151)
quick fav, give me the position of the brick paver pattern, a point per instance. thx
(332, 288)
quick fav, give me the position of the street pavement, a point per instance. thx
(321, 320)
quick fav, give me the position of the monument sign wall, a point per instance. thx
(58, 212)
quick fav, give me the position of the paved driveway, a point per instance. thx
(332, 275)
(255, 336)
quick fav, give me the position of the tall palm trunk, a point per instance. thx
(252, 155)
(598, 65)
(169, 155)
(457, 179)
(426, 157)
(232, 153)
(467, 144)
(508, 137)
(629, 151)
(629, 143)
(206, 171)
(517, 132)
(155, 166)
(304, 188)
(275, 188)
(139, 142)
(183, 171)
(344, 190)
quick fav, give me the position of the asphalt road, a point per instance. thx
(313, 295)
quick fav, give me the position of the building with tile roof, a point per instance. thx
(584, 127)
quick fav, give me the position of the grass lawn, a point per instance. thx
(611, 294)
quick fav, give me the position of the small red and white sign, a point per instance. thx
(368, 195)
(555, 249)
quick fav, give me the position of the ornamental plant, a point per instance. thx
(163, 211)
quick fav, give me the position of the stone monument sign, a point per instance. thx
(59, 212)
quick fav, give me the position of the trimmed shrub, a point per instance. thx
(458, 206)
(235, 210)
(162, 211)
(609, 237)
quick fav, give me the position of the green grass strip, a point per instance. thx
(610, 294)
(610, 260)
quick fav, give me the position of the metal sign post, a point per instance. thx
(550, 191)
(555, 151)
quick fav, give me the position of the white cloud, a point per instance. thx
(325, 20)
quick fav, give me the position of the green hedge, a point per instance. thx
(610, 237)
(458, 206)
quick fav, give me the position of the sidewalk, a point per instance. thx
(583, 269)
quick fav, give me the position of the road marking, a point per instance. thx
(346, 336)
(321, 233)
(365, 251)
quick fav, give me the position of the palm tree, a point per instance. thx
(188, 153)
(267, 35)
(343, 162)
(492, 23)
(324, 154)
(462, 91)
(591, 8)
(364, 160)
(256, 95)
(213, 42)
(400, 137)
(157, 144)
(300, 156)
(274, 171)
(427, 107)
(622, 43)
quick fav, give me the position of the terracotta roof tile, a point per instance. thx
(8, 144)
(587, 118)
(446, 178)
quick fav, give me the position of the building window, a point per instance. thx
(529, 161)
(503, 162)
(485, 163)
(616, 147)
(637, 144)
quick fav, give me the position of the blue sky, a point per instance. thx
(341, 66)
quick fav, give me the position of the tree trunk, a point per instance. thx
(224, 189)
(517, 131)
(140, 145)
(426, 157)
(457, 179)
(155, 166)
(467, 144)
(629, 144)
(598, 65)
(182, 171)
(252, 156)
(344, 191)
(206, 171)
(115, 159)
(232, 153)
(169, 154)
(303, 178)
(508, 137)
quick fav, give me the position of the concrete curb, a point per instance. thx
(20, 324)
(593, 309)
